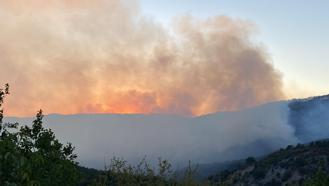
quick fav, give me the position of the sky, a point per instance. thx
(295, 33)
(183, 57)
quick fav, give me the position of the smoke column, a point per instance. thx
(105, 56)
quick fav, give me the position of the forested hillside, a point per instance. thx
(302, 164)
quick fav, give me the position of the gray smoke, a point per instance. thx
(212, 138)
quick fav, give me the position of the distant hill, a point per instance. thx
(294, 165)
(310, 118)
(218, 137)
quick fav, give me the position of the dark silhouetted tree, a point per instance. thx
(32, 155)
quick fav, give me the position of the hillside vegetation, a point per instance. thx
(294, 165)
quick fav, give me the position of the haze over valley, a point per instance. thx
(218, 137)
(139, 92)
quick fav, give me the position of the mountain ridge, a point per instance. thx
(217, 137)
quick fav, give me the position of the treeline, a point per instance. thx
(120, 172)
(32, 155)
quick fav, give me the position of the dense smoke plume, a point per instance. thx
(104, 56)
(206, 139)
(212, 138)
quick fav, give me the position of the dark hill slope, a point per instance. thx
(293, 165)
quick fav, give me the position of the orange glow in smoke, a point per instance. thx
(103, 56)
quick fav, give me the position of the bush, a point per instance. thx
(259, 173)
(250, 161)
(319, 179)
(121, 173)
(286, 176)
(32, 155)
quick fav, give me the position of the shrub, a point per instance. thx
(32, 155)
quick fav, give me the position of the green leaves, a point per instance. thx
(319, 179)
(33, 155)
(3, 92)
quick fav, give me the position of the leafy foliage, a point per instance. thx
(320, 179)
(32, 155)
(121, 173)
(306, 164)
